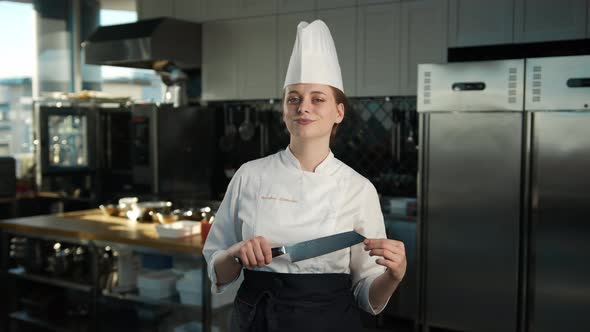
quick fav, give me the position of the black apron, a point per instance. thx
(284, 302)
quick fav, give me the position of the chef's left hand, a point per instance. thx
(393, 255)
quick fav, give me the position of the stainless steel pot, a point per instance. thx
(145, 211)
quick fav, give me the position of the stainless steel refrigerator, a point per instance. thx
(470, 189)
(558, 113)
(504, 219)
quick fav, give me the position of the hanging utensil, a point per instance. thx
(226, 142)
(410, 141)
(267, 126)
(410, 138)
(260, 126)
(246, 129)
(222, 138)
(231, 127)
(396, 132)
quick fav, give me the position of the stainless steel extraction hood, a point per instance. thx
(145, 44)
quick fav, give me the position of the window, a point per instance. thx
(17, 67)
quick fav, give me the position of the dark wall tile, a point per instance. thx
(377, 138)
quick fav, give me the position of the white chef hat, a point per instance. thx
(314, 58)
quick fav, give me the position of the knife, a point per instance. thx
(316, 247)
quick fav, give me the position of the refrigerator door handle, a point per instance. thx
(469, 86)
(580, 82)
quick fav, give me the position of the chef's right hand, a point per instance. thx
(255, 252)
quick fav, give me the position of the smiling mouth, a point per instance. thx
(304, 121)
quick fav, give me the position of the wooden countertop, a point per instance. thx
(93, 225)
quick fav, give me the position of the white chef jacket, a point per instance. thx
(275, 198)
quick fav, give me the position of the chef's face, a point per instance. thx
(310, 110)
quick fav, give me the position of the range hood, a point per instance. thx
(146, 44)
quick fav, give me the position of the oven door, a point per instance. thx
(67, 139)
(114, 151)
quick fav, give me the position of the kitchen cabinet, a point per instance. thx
(189, 10)
(378, 51)
(218, 9)
(225, 9)
(255, 8)
(545, 20)
(256, 56)
(290, 6)
(239, 59)
(374, 2)
(424, 39)
(480, 22)
(220, 61)
(342, 24)
(326, 4)
(154, 8)
(286, 30)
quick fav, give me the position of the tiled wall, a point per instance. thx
(367, 139)
(377, 138)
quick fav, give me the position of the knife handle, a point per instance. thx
(278, 251)
(275, 252)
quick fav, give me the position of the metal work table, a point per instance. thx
(92, 228)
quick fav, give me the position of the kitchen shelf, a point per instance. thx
(92, 229)
(121, 171)
(169, 301)
(398, 217)
(173, 301)
(25, 317)
(19, 272)
(61, 196)
(8, 200)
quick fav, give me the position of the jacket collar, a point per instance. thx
(291, 161)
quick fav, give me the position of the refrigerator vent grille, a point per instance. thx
(537, 71)
(512, 77)
(427, 82)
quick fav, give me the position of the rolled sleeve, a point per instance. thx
(361, 293)
(364, 269)
(225, 231)
(215, 288)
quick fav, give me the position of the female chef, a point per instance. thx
(298, 194)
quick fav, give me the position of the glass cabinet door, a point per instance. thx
(68, 145)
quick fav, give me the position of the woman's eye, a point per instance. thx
(318, 100)
(293, 100)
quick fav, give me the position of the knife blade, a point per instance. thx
(317, 247)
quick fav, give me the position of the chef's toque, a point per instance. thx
(314, 58)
